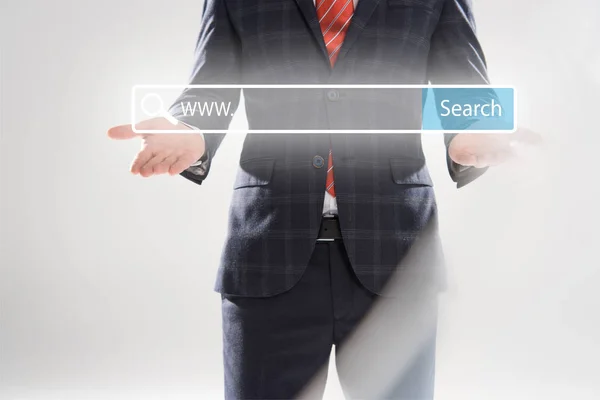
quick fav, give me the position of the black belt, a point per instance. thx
(330, 230)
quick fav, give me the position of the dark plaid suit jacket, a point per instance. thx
(385, 197)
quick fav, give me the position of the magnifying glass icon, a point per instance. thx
(159, 107)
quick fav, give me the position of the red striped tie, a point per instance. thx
(329, 183)
(334, 18)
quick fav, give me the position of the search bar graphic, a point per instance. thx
(158, 110)
(323, 108)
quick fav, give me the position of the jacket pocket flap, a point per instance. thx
(410, 172)
(254, 172)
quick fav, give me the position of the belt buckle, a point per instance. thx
(333, 234)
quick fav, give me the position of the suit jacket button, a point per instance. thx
(333, 95)
(318, 162)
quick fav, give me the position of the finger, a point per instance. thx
(505, 156)
(465, 159)
(124, 132)
(141, 159)
(121, 132)
(527, 136)
(494, 158)
(497, 158)
(164, 166)
(484, 160)
(148, 168)
(182, 163)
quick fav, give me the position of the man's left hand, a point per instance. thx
(488, 149)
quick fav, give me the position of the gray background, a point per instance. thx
(106, 278)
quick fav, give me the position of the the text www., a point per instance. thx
(206, 109)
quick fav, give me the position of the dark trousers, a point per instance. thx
(273, 347)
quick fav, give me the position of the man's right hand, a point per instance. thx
(162, 153)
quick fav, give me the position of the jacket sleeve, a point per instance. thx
(216, 61)
(456, 58)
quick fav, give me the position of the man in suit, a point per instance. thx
(319, 223)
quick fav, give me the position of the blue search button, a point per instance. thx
(469, 109)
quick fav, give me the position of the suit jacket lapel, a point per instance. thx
(362, 14)
(309, 11)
